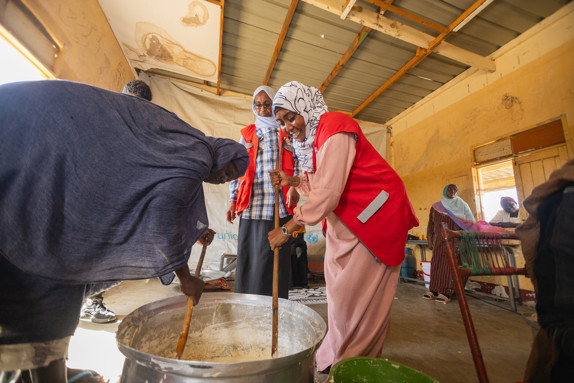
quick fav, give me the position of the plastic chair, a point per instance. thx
(477, 253)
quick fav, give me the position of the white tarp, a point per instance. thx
(224, 116)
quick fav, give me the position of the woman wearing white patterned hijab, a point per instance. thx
(367, 213)
(308, 102)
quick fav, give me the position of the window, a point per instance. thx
(16, 67)
(513, 165)
(495, 181)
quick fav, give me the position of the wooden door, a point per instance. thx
(533, 169)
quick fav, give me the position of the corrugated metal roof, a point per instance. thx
(317, 39)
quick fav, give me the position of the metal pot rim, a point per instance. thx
(188, 367)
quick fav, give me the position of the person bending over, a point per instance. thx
(95, 187)
(94, 308)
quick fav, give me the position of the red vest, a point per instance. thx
(380, 221)
(246, 182)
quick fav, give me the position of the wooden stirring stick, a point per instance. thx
(188, 311)
(275, 329)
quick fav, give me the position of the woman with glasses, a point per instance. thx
(252, 198)
(367, 213)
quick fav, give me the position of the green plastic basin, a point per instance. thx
(365, 369)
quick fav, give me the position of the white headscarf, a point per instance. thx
(264, 123)
(308, 102)
(456, 205)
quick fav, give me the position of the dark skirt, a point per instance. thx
(440, 277)
(35, 309)
(299, 262)
(254, 272)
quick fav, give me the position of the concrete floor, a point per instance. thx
(425, 335)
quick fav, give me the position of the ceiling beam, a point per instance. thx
(350, 4)
(346, 57)
(419, 56)
(441, 47)
(421, 39)
(352, 48)
(471, 14)
(408, 15)
(404, 33)
(284, 29)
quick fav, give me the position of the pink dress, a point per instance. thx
(360, 288)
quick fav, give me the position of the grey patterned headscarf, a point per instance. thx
(308, 102)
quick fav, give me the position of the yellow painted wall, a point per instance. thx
(438, 149)
(90, 52)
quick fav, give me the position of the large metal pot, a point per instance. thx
(224, 326)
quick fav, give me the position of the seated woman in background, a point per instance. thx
(508, 216)
(456, 214)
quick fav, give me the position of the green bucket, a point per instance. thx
(364, 369)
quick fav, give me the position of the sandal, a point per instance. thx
(443, 298)
(80, 376)
(430, 295)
